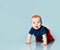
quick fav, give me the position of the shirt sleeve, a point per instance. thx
(44, 31)
(31, 31)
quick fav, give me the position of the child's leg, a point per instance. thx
(49, 37)
(38, 39)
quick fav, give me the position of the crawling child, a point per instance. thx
(39, 31)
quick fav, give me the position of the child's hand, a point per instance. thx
(28, 42)
(44, 44)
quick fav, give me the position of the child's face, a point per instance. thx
(36, 23)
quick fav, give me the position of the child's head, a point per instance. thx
(36, 22)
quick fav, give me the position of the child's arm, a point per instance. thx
(44, 40)
(29, 39)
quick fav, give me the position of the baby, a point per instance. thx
(38, 30)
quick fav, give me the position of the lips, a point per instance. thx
(36, 26)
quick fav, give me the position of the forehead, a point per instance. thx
(36, 19)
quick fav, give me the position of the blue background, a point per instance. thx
(15, 20)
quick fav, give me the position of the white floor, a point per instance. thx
(33, 46)
(37, 46)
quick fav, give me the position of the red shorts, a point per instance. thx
(49, 37)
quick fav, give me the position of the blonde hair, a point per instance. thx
(37, 16)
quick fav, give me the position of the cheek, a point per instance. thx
(33, 25)
(39, 24)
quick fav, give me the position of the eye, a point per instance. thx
(37, 22)
(33, 22)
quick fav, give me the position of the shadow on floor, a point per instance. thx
(37, 46)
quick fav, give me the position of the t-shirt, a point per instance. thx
(38, 33)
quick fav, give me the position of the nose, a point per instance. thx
(36, 23)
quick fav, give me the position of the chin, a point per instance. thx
(36, 28)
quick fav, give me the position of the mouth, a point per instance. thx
(36, 26)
